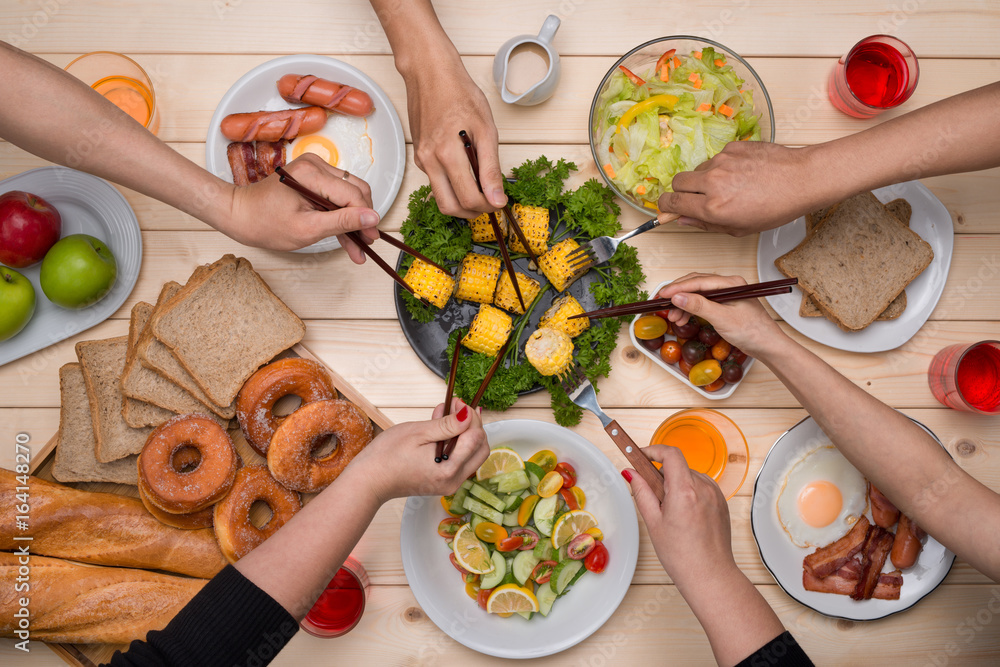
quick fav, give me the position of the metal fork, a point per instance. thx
(582, 392)
(603, 248)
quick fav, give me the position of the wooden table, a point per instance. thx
(194, 50)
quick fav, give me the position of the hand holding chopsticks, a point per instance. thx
(479, 394)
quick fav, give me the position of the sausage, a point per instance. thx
(309, 89)
(884, 513)
(906, 547)
(272, 125)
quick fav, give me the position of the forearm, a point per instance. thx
(296, 564)
(413, 31)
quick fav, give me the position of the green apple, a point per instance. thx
(78, 271)
(17, 302)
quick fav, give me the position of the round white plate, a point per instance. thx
(784, 560)
(930, 219)
(87, 205)
(588, 604)
(257, 91)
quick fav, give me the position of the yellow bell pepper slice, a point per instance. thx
(654, 102)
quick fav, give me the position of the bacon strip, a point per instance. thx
(827, 560)
(844, 581)
(874, 553)
(270, 156)
(251, 163)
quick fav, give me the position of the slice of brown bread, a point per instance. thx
(103, 362)
(155, 356)
(899, 208)
(225, 325)
(136, 410)
(857, 261)
(75, 457)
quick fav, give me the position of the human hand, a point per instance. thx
(269, 214)
(743, 323)
(749, 187)
(442, 100)
(400, 462)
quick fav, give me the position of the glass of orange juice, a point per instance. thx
(122, 81)
(711, 443)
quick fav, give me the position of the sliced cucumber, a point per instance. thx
(508, 482)
(544, 551)
(524, 563)
(483, 494)
(563, 575)
(526, 615)
(546, 596)
(579, 574)
(476, 520)
(513, 502)
(545, 513)
(467, 484)
(510, 518)
(563, 553)
(493, 579)
(456, 506)
(483, 510)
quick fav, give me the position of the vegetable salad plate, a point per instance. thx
(587, 604)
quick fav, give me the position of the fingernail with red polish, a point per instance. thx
(627, 475)
(463, 414)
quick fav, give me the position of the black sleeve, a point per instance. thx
(782, 651)
(229, 622)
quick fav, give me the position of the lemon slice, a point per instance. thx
(571, 524)
(501, 460)
(511, 598)
(470, 552)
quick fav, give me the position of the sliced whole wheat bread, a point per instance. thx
(136, 410)
(857, 261)
(75, 457)
(103, 362)
(225, 325)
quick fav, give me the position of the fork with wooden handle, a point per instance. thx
(581, 392)
(603, 248)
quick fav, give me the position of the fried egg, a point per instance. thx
(343, 143)
(822, 497)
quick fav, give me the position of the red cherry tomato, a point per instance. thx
(567, 472)
(484, 595)
(567, 495)
(721, 350)
(689, 330)
(715, 386)
(529, 536)
(670, 352)
(663, 314)
(737, 355)
(597, 559)
(454, 561)
(580, 546)
(510, 543)
(448, 527)
(708, 335)
(685, 367)
(543, 571)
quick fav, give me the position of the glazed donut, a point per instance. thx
(294, 376)
(183, 491)
(290, 456)
(236, 533)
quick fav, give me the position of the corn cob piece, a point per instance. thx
(482, 228)
(534, 222)
(489, 330)
(506, 297)
(558, 314)
(430, 282)
(549, 350)
(477, 278)
(555, 267)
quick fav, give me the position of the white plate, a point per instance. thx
(257, 90)
(591, 601)
(784, 560)
(87, 205)
(930, 219)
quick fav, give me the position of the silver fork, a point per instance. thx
(582, 392)
(603, 248)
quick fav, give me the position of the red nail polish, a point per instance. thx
(463, 414)
(627, 475)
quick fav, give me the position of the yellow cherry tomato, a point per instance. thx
(550, 484)
(526, 509)
(472, 589)
(705, 372)
(596, 532)
(649, 327)
(491, 532)
(545, 459)
(581, 497)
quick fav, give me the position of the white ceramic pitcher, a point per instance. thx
(543, 88)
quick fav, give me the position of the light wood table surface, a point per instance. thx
(195, 49)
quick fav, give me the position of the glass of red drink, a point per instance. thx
(878, 73)
(341, 604)
(967, 377)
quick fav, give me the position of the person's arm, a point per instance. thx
(690, 532)
(442, 99)
(753, 186)
(896, 455)
(56, 116)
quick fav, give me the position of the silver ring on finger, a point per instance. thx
(346, 175)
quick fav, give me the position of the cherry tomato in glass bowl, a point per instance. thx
(650, 326)
(704, 373)
(597, 559)
(448, 527)
(670, 352)
(510, 543)
(721, 350)
(567, 472)
(715, 386)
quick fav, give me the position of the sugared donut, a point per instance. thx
(288, 377)
(184, 490)
(233, 528)
(290, 456)
(193, 521)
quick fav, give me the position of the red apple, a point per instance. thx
(29, 226)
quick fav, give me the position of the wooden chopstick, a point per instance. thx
(720, 295)
(479, 393)
(439, 454)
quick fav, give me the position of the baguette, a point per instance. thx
(90, 605)
(106, 529)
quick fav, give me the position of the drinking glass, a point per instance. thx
(878, 73)
(711, 443)
(341, 605)
(967, 377)
(122, 81)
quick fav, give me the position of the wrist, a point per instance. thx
(411, 60)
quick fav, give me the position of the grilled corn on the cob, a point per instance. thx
(430, 282)
(506, 297)
(549, 350)
(489, 330)
(558, 314)
(482, 228)
(534, 222)
(477, 278)
(555, 267)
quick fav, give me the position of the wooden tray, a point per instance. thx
(90, 655)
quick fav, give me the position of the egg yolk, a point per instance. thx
(820, 503)
(317, 145)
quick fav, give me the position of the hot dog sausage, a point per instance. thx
(906, 547)
(884, 513)
(272, 125)
(309, 89)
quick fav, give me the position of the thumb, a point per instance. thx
(645, 500)
(350, 219)
(490, 174)
(698, 305)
